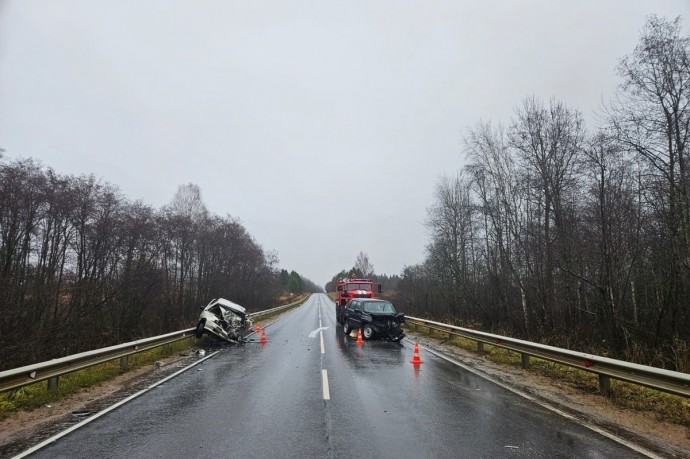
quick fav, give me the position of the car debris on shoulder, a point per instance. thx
(224, 320)
(376, 318)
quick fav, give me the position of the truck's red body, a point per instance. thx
(347, 289)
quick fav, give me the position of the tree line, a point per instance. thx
(571, 236)
(294, 283)
(82, 267)
(364, 269)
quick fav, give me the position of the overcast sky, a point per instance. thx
(323, 126)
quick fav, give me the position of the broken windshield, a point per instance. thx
(379, 306)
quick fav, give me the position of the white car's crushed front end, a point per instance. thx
(224, 320)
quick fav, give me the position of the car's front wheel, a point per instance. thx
(346, 327)
(200, 328)
(367, 331)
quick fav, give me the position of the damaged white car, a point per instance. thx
(224, 320)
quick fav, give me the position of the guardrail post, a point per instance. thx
(604, 384)
(124, 362)
(525, 360)
(53, 383)
(480, 347)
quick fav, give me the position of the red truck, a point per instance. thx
(347, 289)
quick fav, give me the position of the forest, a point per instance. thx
(82, 267)
(571, 235)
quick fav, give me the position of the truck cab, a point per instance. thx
(348, 289)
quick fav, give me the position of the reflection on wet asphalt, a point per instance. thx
(267, 400)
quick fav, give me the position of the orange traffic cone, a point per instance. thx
(359, 336)
(258, 327)
(263, 337)
(416, 360)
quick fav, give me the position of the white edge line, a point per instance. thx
(56, 437)
(326, 391)
(592, 427)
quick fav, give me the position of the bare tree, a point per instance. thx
(547, 142)
(651, 114)
(612, 220)
(504, 208)
(188, 202)
(452, 249)
(185, 216)
(363, 265)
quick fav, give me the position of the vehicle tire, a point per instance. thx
(200, 328)
(367, 331)
(346, 328)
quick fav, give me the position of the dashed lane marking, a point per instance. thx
(326, 391)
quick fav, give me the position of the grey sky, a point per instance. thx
(322, 125)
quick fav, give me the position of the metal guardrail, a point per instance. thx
(52, 369)
(301, 300)
(673, 382)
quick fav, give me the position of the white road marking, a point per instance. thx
(326, 392)
(614, 437)
(313, 333)
(324, 372)
(59, 435)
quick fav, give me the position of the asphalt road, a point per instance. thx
(302, 396)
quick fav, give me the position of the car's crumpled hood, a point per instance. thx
(229, 306)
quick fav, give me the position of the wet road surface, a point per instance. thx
(313, 392)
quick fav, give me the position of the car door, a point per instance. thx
(347, 312)
(355, 314)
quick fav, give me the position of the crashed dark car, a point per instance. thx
(224, 320)
(376, 318)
